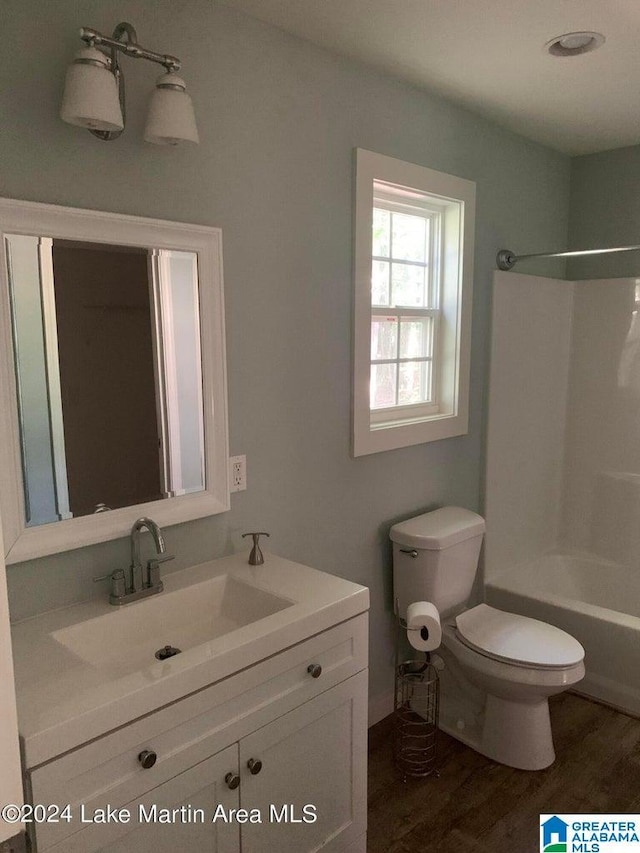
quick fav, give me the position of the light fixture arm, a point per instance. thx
(125, 40)
(130, 46)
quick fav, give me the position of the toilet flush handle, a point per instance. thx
(410, 551)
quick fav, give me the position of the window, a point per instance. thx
(413, 280)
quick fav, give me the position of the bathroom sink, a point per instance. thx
(126, 640)
(90, 668)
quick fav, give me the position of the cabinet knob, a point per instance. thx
(147, 758)
(314, 670)
(254, 765)
(232, 780)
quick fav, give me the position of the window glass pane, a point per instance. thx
(416, 337)
(409, 237)
(384, 338)
(414, 383)
(381, 225)
(379, 283)
(383, 385)
(407, 285)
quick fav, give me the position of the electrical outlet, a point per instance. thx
(238, 473)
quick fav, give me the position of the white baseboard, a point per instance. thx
(380, 707)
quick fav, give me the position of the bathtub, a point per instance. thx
(595, 601)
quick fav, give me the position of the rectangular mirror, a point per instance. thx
(113, 380)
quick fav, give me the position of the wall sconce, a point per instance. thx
(94, 91)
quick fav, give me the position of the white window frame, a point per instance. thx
(452, 200)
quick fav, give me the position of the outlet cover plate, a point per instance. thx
(237, 473)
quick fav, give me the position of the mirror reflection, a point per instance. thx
(108, 373)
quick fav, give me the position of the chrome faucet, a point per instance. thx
(140, 587)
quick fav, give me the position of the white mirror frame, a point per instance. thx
(19, 217)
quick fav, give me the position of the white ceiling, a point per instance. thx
(489, 56)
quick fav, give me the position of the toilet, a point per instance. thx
(498, 669)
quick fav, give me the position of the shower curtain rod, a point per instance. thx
(506, 260)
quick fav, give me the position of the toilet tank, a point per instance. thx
(435, 558)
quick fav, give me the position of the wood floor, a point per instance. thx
(478, 806)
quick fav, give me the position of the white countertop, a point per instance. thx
(64, 701)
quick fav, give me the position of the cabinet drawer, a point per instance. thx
(186, 732)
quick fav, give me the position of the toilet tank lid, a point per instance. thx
(439, 529)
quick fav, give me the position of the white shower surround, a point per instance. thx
(562, 496)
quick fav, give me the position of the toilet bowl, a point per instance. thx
(518, 663)
(500, 668)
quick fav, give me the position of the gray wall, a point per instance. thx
(279, 119)
(605, 211)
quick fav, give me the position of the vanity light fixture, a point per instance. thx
(94, 90)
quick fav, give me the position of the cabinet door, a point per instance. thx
(203, 787)
(313, 756)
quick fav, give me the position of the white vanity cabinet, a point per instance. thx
(290, 731)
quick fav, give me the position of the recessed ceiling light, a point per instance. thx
(573, 44)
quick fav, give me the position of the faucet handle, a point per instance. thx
(118, 585)
(116, 575)
(161, 558)
(153, 569)
(256, 557)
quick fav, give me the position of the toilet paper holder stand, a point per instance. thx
(416, 708)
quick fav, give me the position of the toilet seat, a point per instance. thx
(517, 640)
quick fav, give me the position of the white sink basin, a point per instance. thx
(126, 640)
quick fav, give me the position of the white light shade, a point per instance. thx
(91, 93)
(171, 118)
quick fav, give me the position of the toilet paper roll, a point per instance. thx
(424, 631)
